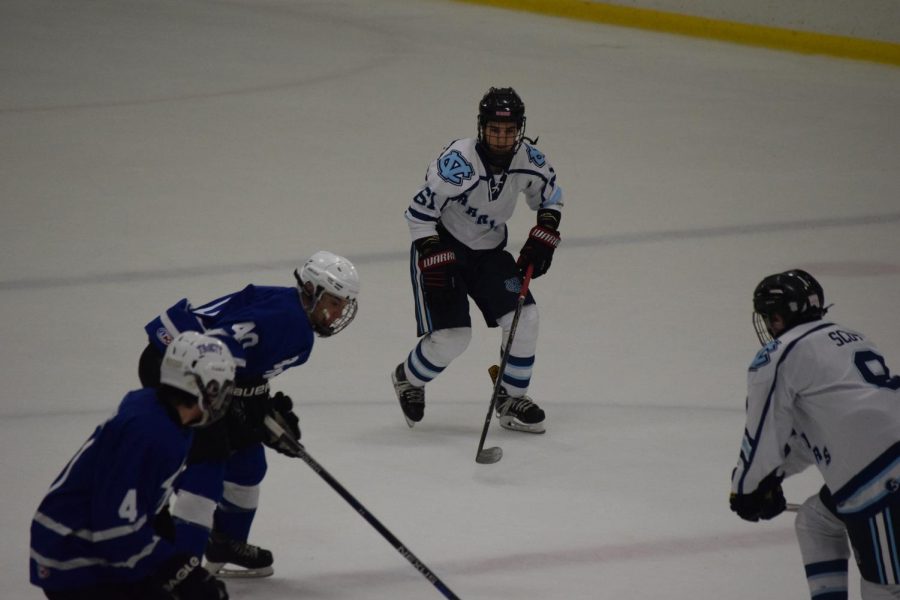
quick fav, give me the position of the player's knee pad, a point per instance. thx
(525, 342)
(820, 534)
(247, 466)
(441, 347)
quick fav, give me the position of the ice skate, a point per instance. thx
(519, 414)
(516, 414)
(226, 557)
(412, 398)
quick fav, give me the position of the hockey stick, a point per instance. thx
(300, 452)
(488, 456)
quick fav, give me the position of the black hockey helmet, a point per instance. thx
(794, 295)
(504, 105)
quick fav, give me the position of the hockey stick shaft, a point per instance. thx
(301, 453)
(523, 293)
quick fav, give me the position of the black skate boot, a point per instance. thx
(412, 398)
(519, 414)
(226, 557)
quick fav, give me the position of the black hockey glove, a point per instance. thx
(249, 405)
(438, 265)
(538, 250)
(182, 578)
(281, 409)
(767, 502)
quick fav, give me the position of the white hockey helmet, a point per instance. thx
(327, 273)
(203, 367)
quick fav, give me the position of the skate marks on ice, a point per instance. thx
(646, 237)
(458, 570)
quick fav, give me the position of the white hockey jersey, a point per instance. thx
(474, 205)
(830, 387)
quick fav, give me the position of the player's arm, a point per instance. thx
(130, 479)
(756, 482)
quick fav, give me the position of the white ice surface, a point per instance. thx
(155, 150)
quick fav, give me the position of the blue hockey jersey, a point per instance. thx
(95, 523)
(266, 328)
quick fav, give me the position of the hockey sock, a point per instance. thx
(435, 352)
(517, 374)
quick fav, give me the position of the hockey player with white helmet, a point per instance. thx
(101, 532)
(820, 393)
(269, 330)
(457, 222)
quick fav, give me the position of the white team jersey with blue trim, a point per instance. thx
(829, 386)
(474, 205)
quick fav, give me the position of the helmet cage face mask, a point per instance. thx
(215, 399)
(501, 105)
(323, 278)
(314, 300)
(762, 328)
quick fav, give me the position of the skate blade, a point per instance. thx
(220, 570)
(513, 425)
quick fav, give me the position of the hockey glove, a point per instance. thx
(439, 269)
(767, 502)
(249, 405)
(281, 409)
(182, 578)
(538, 250)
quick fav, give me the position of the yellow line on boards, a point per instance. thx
(702, 27)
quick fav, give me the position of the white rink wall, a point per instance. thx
(864, 19)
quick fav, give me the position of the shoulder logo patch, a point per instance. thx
(763, 357)
(535, 156)
(453, 168)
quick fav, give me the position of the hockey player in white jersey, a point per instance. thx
(457, 222)
(826, 390)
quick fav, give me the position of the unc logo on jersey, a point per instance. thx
(513, 285)
(535, 156)
(762, 357)
(164, 336)
(454, 168)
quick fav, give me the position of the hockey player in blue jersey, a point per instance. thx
(268, 330)
(101, 532)
(821, 393)
(457, 222)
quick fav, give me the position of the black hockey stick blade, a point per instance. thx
(489, 456)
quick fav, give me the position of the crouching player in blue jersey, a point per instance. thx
(101, 532)
(819, 393)
(268, 330)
